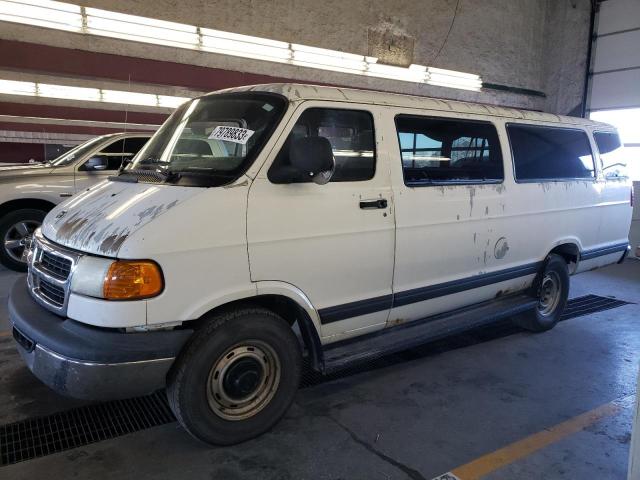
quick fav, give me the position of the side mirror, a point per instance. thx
(96, 163)
(313, 157)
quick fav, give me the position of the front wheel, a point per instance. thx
(552, 292)
(16, 230)
(237, 376)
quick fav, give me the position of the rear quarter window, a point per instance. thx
(550, 154)
(612, 155)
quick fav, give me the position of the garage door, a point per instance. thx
(614, 95)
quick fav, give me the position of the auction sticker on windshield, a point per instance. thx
(231, 134)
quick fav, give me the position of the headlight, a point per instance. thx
(131, 279)
(117, 280)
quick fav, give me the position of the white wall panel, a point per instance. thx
(616, 15)
(615, 90)
(617, 51)
(617, 47)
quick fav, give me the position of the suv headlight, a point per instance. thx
(117, 279)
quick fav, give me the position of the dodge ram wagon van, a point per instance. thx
(29, 191)
(266, 224)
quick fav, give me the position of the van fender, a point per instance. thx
(220, 299)
(570, 241)
(309, 320)
(272, 287)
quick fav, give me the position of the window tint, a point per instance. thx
(134, 144)
(118, 151)
(612, 155)
(436, 150)
(352, 139)
(546, 153)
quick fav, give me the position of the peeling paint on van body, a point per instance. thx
(101, 218)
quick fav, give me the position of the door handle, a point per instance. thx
(371, 204)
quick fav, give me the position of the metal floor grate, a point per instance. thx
(41, 436)
(579, 306)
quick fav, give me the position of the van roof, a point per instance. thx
(295, 91)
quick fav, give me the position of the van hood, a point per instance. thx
(102, 217)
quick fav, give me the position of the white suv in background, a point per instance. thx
(29, 191)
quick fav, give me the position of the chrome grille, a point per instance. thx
(55, 265)
(50, 270)
(52, 292)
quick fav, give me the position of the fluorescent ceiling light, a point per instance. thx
(129, 98)
(227, 43)
(415, 73)
(68, 93)
(12, 87)
(45, 90)
(58, 15)
(93, 21)
(141, 29)
(169, 101)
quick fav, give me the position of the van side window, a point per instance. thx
(352, 139)
(550, 153)
(612, 155)
(439, 150)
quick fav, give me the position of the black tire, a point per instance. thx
(189, 382)
(542, 319)
(30, 217)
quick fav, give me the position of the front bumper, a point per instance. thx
(87, 362)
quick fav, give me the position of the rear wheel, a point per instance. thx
(237, 377)
(16, 230)
(552, 292)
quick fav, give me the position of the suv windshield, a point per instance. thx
(76, 152)
(210, 141)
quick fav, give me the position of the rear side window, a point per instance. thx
(437, 150)
(548, 153)
(611, 155)
(133, 145)
(352, 139)
(120, 150)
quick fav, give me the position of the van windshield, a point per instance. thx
(209, 141)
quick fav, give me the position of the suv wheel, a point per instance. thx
(16, 230)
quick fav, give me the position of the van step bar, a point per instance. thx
(402, 337)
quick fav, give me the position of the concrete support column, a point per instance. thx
(634, 453)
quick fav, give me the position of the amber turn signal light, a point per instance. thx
(132, 279)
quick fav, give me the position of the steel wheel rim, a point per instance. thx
(228, 405)
(550, 291)
(18, 238)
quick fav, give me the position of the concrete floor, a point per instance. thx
(414, 420)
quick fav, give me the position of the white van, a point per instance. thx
(367, 222)
(29, 191)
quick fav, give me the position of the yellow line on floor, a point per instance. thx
(486, 464)
(5, 334)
